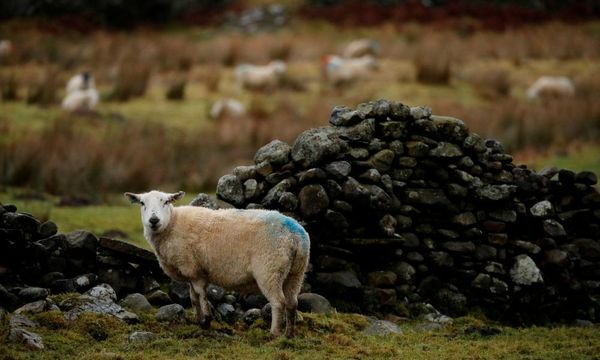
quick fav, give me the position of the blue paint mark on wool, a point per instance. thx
(293, 226)
(297, 229)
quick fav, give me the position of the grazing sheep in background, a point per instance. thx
(224, 108)
(360, 48)
(80, 82)
(237, 249)
(551, 87)
(339, 71)
(265, 77)
(6, 48)
(81, 94)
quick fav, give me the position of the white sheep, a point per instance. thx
(339, 71)
(6, 48)
(237, 249)
(551, 87)
(80, 82)
(256, 77)
(226, 107)
(81, 101)
(81, 94)
(360, 48)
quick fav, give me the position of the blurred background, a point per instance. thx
(97, 98)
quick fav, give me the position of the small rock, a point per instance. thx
(276, 152)
(420, 112)
(173, 313)
(215, 293)
(255, 301)
(81, 244)
(428, 326)
(554, 229)
(158, 298)
(180, 293)
(541, 209)
(229, 188)
(416, 148)
(313, 200)
(31, 294)
(244, 172)
(438, 318)
(288, 201)
(227, 313)
(587, 178)
(382, 328)
(30, 339)
(314, 303)
(37, 307)
(142, 337)
(382, 278)
(495, 192)
(339, 169)
(556, 257)
(464, 219)
(18, 320)
(446, 150)
(251, 315)
(48, 229)
(525, 271)
(84, 282)
(204, 200)
(136, 302)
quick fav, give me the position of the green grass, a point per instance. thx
(582, 158)
(335, 336)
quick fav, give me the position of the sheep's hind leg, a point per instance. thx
(201, 306)
(291, 288)
(273, 292)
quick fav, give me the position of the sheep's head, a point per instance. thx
(156, 208)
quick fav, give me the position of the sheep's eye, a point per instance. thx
(142, 203)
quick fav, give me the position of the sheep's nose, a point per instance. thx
(153, 220)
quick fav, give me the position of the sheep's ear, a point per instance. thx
(176, 196)
(134, 198)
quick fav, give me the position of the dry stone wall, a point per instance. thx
(404, 206)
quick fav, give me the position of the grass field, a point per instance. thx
(335, 336)
(148, 141)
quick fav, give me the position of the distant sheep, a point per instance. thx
(81, 94)
(339, 71)
(242, 250)
(551, 87)
(6, 48)
(360, 48)
(80, 82)
(225, 108)
(256, 77)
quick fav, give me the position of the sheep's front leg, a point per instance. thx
(199, 302)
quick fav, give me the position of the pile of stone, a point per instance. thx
(112, 277)
(403, 206)
(36, 260)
